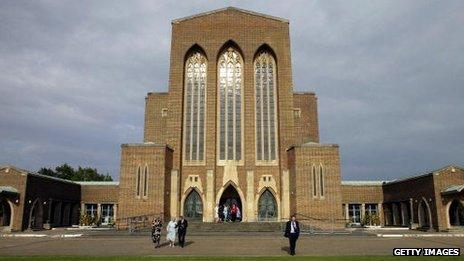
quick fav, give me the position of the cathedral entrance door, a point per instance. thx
(229, 198)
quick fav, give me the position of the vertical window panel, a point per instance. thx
(313, 173)
(145, 182)
(137, 185)
(194, 112)
(265, 118)
(230, 68)
(321, 180)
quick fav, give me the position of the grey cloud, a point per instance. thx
(388, 75)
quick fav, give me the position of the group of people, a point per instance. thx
(176, 229)
(227, 213)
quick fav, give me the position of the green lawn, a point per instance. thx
(225, 258)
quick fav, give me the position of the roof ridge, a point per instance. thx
(178, 20)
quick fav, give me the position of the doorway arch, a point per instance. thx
(36, 215)
(456, 213)
(6, 213)
(193, 206)
(267, 207)
(229, 196)
(425, 218)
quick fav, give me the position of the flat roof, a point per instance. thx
(98, 183)
(363, 183)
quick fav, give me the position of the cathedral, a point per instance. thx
(231, 130)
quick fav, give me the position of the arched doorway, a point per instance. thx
(229, 197)
(267, 207)
(456, 213)
(5, 213)
(424, 214)
(36, 215)
(193, 207)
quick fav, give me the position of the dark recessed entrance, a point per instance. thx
(229, 197)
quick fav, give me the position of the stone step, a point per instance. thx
(235, 227)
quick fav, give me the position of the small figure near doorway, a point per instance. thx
(239, 214)
(225, 211)
(233, 212)
(221, 212)
(216, 214)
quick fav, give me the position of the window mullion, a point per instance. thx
(268, 111)
(198, 79)
(261, 86)
(234, 119)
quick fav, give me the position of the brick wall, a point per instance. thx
(157, 158)
(306, 119)
(323, 211)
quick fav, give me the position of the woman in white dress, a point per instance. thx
(171, 232)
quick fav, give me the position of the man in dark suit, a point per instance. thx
(292, 232)
(182, 225)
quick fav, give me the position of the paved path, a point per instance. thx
(218, 245)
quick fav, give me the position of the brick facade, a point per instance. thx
(247, 32)
(305, 178)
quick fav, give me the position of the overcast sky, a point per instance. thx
(389, 76)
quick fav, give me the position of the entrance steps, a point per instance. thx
(200, 227)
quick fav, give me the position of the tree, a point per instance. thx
(65, 171)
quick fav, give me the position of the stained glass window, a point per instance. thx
(230, 66)
(265, 93)
(195, 92)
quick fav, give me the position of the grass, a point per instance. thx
(226, 258)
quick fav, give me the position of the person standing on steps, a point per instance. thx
(233, 212)
(292, 232)
(182, 225)
(225, 211)
(216, 214)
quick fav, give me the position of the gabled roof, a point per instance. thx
(453, 189)
(230, 8)
(15, 168)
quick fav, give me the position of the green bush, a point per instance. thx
(371, 219)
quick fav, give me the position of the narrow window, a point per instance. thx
(321, 180)
(195, 95)
(137, 185)
(230, 66)
(313, 173)
(265, 117)
(145, 182)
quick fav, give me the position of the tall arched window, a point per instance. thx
(266, 116)
(195, 93)
(230, 67)
(145, 181)
(137, 185)
(321, 180)
(313, 173)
